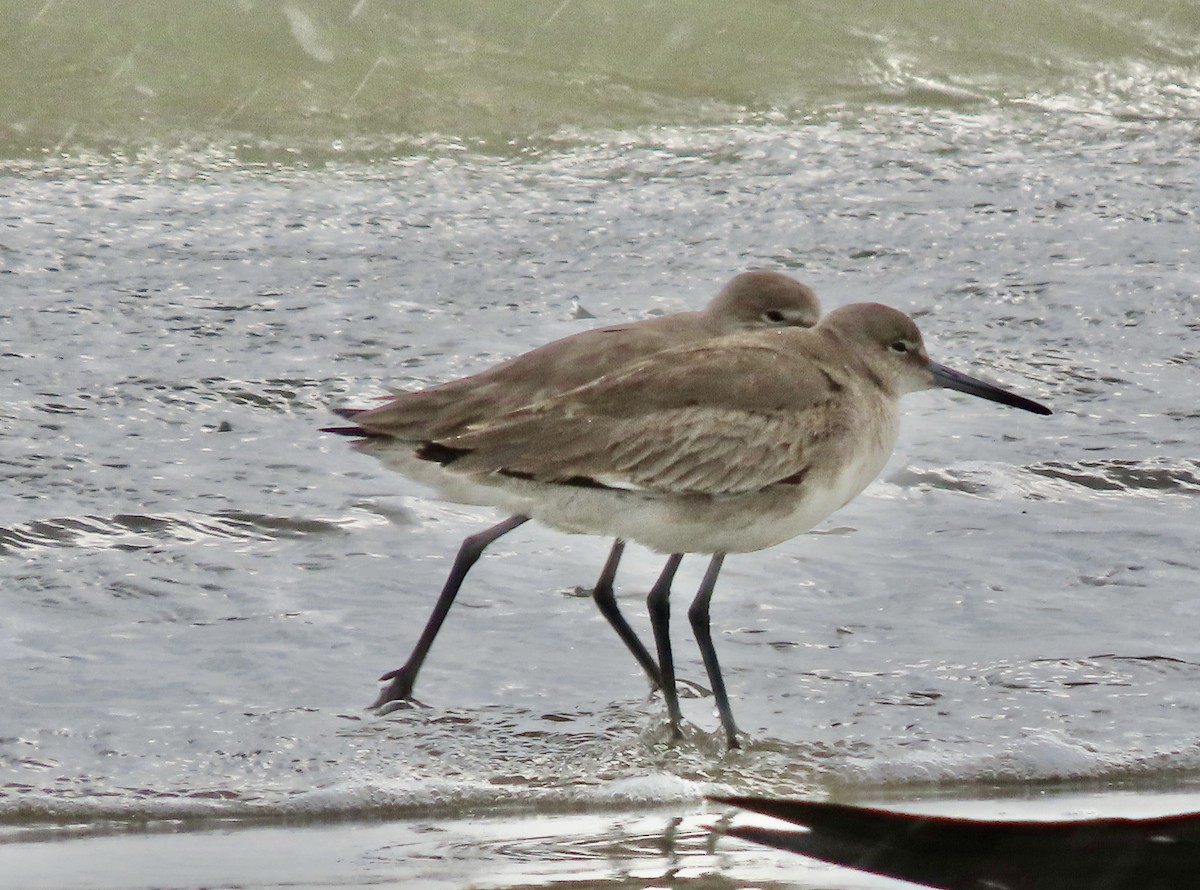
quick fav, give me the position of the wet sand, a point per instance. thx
(494, 850)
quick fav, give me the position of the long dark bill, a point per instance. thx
(951, 379)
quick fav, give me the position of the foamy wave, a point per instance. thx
(382, 80)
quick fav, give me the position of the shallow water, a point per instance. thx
(200, 588)
(305, 81)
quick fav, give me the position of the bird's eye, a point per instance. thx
(774, 316)
(899, 346)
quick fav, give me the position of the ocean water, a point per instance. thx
(219, 222)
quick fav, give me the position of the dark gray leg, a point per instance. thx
(403, 678)
(606, 601)
(658, 602)
(698, 616)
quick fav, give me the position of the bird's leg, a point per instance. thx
(698, 616)
(659, 605)
(402, 679)
(606, 601)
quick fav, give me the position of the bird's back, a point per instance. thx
(547, 371)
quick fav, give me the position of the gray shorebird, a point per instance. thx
(730, 445)
(392, 432)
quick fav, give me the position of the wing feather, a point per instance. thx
(541, 373)
(691, 450)
(721, 417)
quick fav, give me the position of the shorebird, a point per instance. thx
(750, 301)
(730, 445)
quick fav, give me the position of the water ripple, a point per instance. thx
(1145, 477)
(136, 531)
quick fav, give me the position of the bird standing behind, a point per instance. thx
(392, 432)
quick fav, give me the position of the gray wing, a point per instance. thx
(716, 418)
(534, 376)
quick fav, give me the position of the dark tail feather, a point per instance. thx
(356, 431)
(440, 454)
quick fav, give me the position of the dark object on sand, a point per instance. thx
(967, 854)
